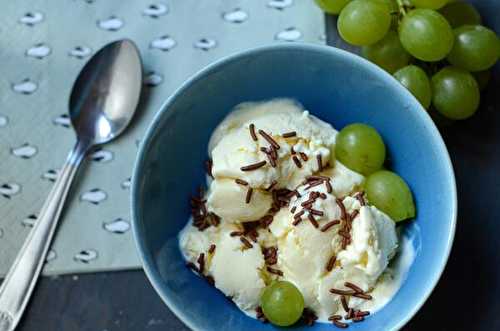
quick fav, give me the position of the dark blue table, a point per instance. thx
(466, 298)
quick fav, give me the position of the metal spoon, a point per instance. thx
(103, 101)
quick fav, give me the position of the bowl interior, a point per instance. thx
(334, 85)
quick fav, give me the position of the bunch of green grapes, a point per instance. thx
(437, 49)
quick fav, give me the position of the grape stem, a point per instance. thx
(401, 6)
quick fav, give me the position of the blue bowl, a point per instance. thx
(334, 85)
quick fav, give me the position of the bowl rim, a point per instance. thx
(147, 260)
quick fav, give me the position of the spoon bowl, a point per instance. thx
(106, 93)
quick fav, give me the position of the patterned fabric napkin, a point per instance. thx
(43, 46)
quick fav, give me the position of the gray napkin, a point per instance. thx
(44, 44)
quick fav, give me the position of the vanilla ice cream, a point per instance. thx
(280, 206)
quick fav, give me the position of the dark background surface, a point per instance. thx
(466, 298)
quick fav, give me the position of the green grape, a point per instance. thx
(282, 303)
(460, 13)
(332, 6)
(476, 48)
(364, 22)
(387, 53)
(426, 35)
(360, 148)
(390, 193)
(416, 81)
(482, 78)
(455, 93)
(431, 4)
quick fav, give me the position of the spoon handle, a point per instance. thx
(22, 276)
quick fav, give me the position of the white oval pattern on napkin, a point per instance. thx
(31, 18)
(38, 51)
(155, 10)
(25, 86)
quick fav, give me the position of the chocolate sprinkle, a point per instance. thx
(317, 177)
(203, 208)
(213, 219)
(252, 132)
(273, 183)
(272, 161)
(260, 315)
(211, 250)
(241, 182)
(250, 226)
(296, 161)
(254, 166)
(353, 215)
(360, 313)
(308, 202)
(358, 319)
(270, 255)
(339, 324)
(313, 221)
(313, 184)
(329, 188)
(328, 225)
(269, 139)
(236, 233)
(322, 195)
(297, 221)
(344, 234)
(316, 212)
(354, 287)
(253, 234)
(210, 280)
(320, 162)
(361, 198)
(274, 153)
(275, 271)
(266, 220)
(249, 195)
(259, 312)
(343, 300)
(294, 208)
(289, 134)
(192, 266)
(331, 263)
(342, 292)
(303, 156)
(309, 317)
(291, 194)
(209, 165)
(299, 214)
(343, 213)
(246, 242)
(275, 198)
(201, 262)
(271, 155)
(362, 296)
(334, 318)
